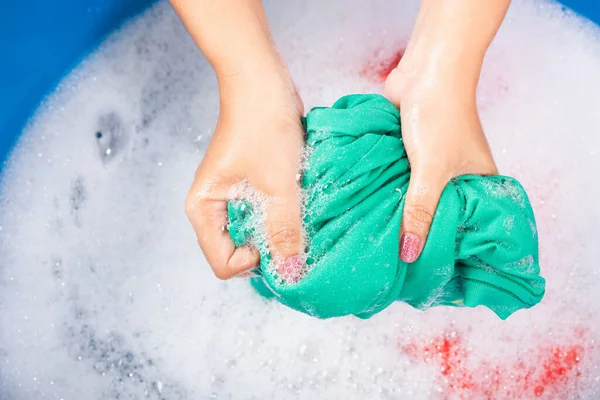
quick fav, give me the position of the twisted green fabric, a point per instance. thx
(482, 248)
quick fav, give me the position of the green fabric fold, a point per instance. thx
(482, 248)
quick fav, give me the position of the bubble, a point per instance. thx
(93, 255)
(111, 136)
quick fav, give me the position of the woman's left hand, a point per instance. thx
(443, 138)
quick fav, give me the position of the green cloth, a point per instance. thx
(482, 248)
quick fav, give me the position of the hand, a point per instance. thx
(443, 138)
(434, 85)
(258, 139)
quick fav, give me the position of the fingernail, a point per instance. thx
(410, 245)
(291, 269)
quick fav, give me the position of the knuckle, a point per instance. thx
(191, 204)
(198, 206)
(418, 214)
(284, 237)
(223, 273)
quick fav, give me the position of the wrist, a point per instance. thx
(266, 84)
(447, 46)
(439, 70)
(259, 64)
(422, 82)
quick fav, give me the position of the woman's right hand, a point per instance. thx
(258, 139)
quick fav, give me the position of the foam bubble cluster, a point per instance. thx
(104, 293)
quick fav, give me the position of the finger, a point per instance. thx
(422, 197)
(244, 258)
(284, 233)
(208, 216)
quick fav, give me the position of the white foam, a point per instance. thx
(104, 293)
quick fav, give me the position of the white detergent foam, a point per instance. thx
(104, 293)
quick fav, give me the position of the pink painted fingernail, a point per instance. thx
(291, 269)
(410, 245)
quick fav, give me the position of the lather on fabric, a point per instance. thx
(482, 248)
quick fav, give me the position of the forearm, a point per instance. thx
(451, 38)
(233, 34)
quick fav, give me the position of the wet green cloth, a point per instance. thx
(482, 248)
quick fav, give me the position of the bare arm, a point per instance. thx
(451, 37)
(233, 34)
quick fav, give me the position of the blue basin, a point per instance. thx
(41, 40)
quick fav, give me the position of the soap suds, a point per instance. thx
(104, 293)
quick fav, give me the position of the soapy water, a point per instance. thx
(104, 293)
(252, 202)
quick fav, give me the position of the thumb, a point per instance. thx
(424, 191)
(284, 234)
